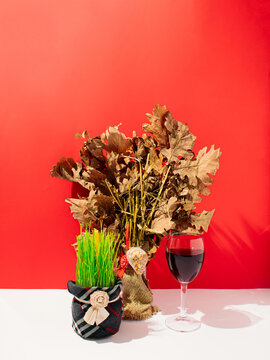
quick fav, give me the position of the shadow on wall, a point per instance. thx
(242, 257)
(233, 259)
(78, 191)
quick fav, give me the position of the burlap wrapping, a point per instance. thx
(137, 296)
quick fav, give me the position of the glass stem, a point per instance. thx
(183, 310)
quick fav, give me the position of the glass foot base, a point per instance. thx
(183, 324)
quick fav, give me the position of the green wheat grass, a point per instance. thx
(96, 258)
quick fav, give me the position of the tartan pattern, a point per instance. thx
(110, 325)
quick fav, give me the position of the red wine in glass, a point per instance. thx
(185, 264)
(185, 255)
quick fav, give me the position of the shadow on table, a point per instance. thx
(219, 311)
(129, 332)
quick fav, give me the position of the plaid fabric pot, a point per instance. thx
(81, 305)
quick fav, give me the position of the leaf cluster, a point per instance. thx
(151, 182)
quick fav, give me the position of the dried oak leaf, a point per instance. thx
(117, 141)
(69, 170)
(156, 162)
(162, 220)
(115, 226)
(188, 205)
(103, 208)
(150, 246)
(151, 183)
(64, 169)
(80, 209)
(180, 138)
(92, 153)
(174, 187)
(95, 177)
(200, 222)
(139, 148)
(157, 127)
(199, 168)
(128, 180)
(149, 141)
(181, 220)
(190, 195)
(84, 135)
(115, 163)
(92, 209)
(152, 251)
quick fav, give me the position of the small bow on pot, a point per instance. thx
(97, 312)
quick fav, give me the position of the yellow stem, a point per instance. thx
(157, 199)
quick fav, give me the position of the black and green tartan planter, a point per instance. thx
(96, 311)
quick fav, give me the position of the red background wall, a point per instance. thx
(67, 65)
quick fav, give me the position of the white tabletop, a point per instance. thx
(36, 324)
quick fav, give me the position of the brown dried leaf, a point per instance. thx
(84, 135)
(117, 141)
(180, 138)
(174, 187)
(80, 209)
(69, 170)
(115, 226)
(150, 246)
(201, 221)
(156, 162)
(193, 193)
(92, 153)
(188, 205)
(102, 206)
(115, 163)
(152, 251)
(94, 176)
(149, 141)
(95, 208)
(151, 183)
(157, 127)
(128, 180)
(199, 168)
(190, 194)
(181, 220)
(139, 148)
(162, 221)
(63, 169)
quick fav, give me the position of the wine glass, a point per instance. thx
(185, 255)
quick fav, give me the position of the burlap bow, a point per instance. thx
(97, 312)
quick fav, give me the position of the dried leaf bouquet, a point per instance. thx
(147, 184)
